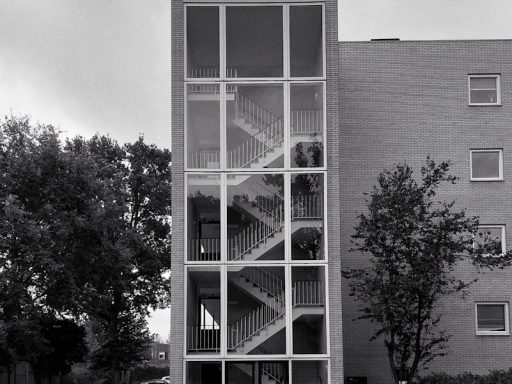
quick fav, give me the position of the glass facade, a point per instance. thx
(256, 261)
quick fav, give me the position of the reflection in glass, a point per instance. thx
(203, 42)
(307, 215)
(308, 303)
(254, 41)
(306, 126)
(491, 317)
(484, 90)
(490, 238)
(254, 126)
(306, 48)
(251, 372)
(203, 218)
(485, 164)
(204, 372)
(203, 126)
(255, 216)
(203, 310)
(309, 372)
(256, 310)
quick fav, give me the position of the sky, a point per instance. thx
(103, 66)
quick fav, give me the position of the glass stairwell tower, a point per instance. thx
(255, 264)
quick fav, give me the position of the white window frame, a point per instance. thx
(506, 332)
(498, 88)
(500, 164)
(503, 236)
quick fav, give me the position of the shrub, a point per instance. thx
(493, 377)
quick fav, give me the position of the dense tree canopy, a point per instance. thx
(84, 235)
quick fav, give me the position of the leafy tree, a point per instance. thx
(414, 243)
(84, 233)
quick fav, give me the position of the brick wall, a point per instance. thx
(402, 101)
(177, 111)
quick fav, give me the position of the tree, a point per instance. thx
(84, 234)
(414, 243)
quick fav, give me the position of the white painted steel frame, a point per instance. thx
(500, 164)
(223, 264)
(287, 124)
(222, 40)
(498, 89)
(223, 364)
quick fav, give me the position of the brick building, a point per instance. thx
(401, 101)
(278, 129)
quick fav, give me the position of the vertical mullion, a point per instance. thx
(222, 42)
(286, 41)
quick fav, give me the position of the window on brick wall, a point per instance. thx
(493, 235)
(486, 164)
(484, 89)
(492, 318)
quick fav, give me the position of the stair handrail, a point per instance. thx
(274, 370)
(203, 337)
(202, 159)
(256, 233)
(253, 322)
(254, 148)
(253, 112)
(264, 279)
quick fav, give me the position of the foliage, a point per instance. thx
(414, 243)
(494, 377)
(84, 234)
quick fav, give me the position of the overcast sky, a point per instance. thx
(104, 65)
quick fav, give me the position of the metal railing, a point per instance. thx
(203, 338)
(264, 280)
(204, 159)
(306, 121)
(256, 233)
(276, 371)
(207, 73)
(307, 207)
(250, 324)
(204, 249)
(308, 292)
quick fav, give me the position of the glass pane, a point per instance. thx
(203, 218)
(485, 165)
(254, 41)
(483, 83)
(484, 96)
(306, 48)
(203, 126)
(491, 317)
(203, 310)
(309, 372)
(306, 126)
(308, 303)
(256, 310)
(492, 236)
(255, 214)
(254, 126)
(204, 372)
(251, 372)
(307, 192)
(203, 42)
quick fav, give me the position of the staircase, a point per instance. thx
(266, 320)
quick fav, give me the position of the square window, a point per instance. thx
(495, 234)
(484, 89)
(492, 318)
(486, 164)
